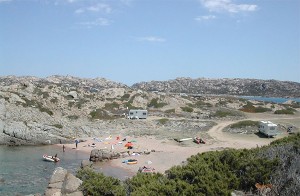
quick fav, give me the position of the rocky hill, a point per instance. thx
(58, 108)
(245, 87)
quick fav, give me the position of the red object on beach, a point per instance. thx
(129, 144)
(118, 138)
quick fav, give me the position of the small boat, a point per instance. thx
(50, 158)
(130, 161)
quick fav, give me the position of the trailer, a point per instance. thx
(137, 114)
(268, 128)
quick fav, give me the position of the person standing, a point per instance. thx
(63, 148)
(76, 142)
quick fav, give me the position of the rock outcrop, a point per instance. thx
(63, 183)
(98, 155)
(35, 111)
(237, 86)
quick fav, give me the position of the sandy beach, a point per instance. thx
(166, 153)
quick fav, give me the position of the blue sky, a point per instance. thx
(131, 41)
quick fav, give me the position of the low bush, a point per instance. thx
(100, 114)
(99, 184)
(163, 120)
(249, 107)
(284, 111)
(111, 106)
(245, 123)
(224, 113)
(187, 109)
(170, 111)
(156, 104)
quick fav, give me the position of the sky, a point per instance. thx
(131, 41)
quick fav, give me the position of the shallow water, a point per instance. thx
(23, 171)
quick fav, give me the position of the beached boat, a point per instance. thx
(50, 158)
(130, 161)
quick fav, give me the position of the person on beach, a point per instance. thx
(63, 148)
(76, 142)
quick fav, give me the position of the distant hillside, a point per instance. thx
(66, 81)
(246, 87)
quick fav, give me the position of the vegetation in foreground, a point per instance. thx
(212, 173)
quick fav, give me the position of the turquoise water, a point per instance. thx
(23, 171)
(270, 99)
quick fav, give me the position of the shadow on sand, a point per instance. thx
(261, 135)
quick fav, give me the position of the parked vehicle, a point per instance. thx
(137, 114)
(268, 128)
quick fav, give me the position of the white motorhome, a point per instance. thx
(268, 128)
(138, 114)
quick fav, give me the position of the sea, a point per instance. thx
(24, 172)
(270, 99)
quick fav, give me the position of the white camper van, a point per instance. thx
(138, 114)
(268, 128)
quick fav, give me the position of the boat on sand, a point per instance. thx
(130, 161)
(50, 158)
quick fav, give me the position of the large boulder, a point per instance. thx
(102, 155)
(63, 183)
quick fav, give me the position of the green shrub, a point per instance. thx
(163, 120)
(284, 111)
(154, 103)
(98, 184)
(100, 114)
(170, 111)
(245, 123)
(249, 107)
(224, 113)
(111, 106)
(187, 109)
(261, 109)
